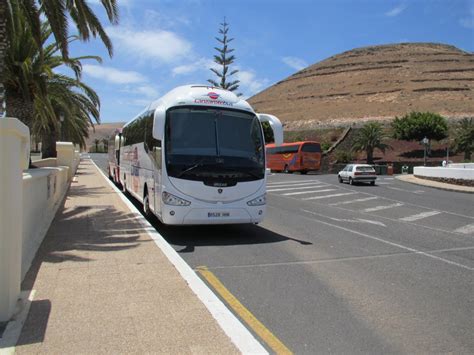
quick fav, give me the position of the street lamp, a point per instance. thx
(425, 142)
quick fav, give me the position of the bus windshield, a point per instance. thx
(214, 145)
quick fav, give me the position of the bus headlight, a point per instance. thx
(259, 201)
(170, 199)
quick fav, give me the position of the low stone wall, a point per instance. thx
(451, 175)
(43, 192)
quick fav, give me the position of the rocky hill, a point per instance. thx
(377, 82)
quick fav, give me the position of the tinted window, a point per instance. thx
(365, 168)
(311, 148)
(140, 131)
(284, 150)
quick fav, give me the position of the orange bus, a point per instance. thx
(297, 156)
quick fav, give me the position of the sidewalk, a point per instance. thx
(437, 185)
(103, 286)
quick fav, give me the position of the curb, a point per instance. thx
(421, 182)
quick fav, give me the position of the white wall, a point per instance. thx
(442, 172)
(462, 165)
(43, 193)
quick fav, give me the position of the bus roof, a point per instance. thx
(271, 145)
(201, 95)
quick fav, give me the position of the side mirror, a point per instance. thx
(275, 124)
(159, 123)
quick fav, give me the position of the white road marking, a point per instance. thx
(306, 192)
(327, 196)
(357, 220)
(419, 216)
(379, 208)
(291, 185)
(289, 182)
(372, 222)
(410, 191)
(292, 188)
(416, 251)
(382, 183)
(353, 201)
(468, 229)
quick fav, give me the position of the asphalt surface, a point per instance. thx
(336, 268)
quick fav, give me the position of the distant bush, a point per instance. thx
(325, 146)
(417, 125)
(344, 156)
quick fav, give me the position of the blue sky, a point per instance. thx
(161, 44)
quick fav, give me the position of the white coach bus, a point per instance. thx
(197, 156)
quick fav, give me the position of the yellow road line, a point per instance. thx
(265, 334)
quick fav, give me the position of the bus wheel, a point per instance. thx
(303, 172)
(285, 169)
(146, 205)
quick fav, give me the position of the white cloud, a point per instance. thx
(397, 10)
(249, 83)
(113, 75)
(163, 46)
(201, 64)
(294, 62)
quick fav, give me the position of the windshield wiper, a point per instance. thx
(195, 166)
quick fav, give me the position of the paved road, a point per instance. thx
(344, 269)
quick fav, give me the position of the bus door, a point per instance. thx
(157, 179)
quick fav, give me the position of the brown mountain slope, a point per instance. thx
(101, 131)
(377, 82)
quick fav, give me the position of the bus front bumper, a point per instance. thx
(217, 215)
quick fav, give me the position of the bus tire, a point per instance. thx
(146, 205)
(303, 172)
(285, 169)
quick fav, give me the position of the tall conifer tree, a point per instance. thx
(224, 58)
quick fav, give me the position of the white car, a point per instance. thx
(353, 173)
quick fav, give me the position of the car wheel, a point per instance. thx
(372, 183)
(351, 182)
(340, 179)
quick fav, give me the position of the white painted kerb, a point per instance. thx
(442, 172)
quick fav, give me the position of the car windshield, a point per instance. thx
(365, 168)
(204, 143)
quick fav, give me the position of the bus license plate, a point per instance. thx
(218, 214)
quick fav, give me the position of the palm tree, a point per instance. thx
(56, 12)
(105, 144)
(464, 141)
(370, 137)
(38, 95)
(96, 143)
